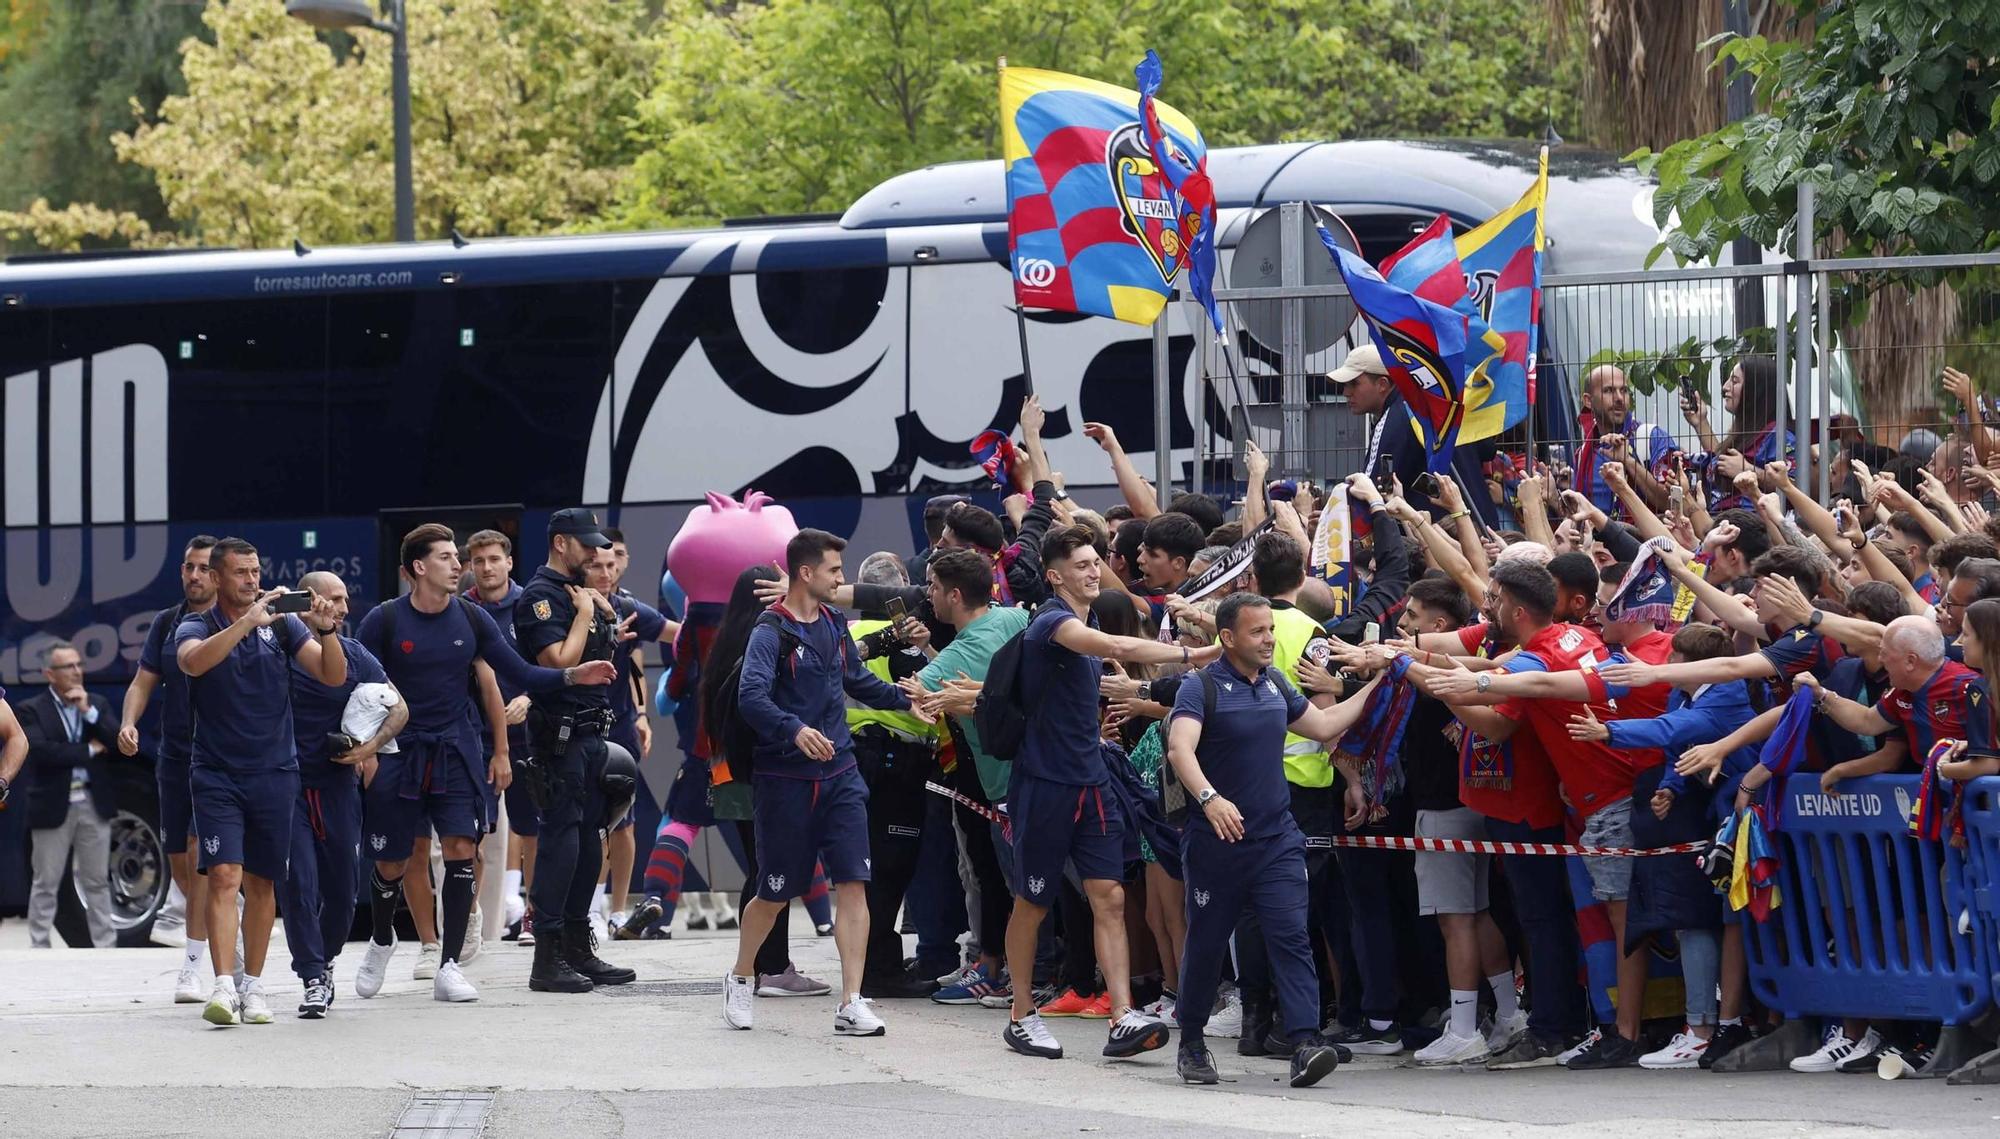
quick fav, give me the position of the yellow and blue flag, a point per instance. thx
(1502, 262)
(1093, 222)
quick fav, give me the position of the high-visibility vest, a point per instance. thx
(1306, 761)
(897, 723)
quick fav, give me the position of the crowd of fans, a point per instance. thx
(1531, 714)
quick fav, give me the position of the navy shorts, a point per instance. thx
(176, 802)
(244, 819)
(1058, 824)
(414, 792)
(803, 821)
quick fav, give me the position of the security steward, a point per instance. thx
(894, 751)
(1241, 848)
(565, 770)
(1278, 573)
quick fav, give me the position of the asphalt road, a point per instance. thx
(92, 1045)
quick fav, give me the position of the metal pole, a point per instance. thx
(1163, 413)
(1825, 386)
(1204, 344)
(1739, 102)
(406, 194)
(1802, 335)
(1291, 340)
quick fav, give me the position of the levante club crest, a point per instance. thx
(1146, 199)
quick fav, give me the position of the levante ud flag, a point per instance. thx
(1093, 224)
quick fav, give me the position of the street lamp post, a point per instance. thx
(349, 14)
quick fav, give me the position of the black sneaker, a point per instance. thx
(1728, 1038)
(1312, 1061)
(641, 922)
(1132, 1034)
(1610, 1051)
(319, 995)
(1528, 1051)
(1276, 1043)
(1196, 1065)
(1362, 1040)
(897, 986)
(1863, 1058)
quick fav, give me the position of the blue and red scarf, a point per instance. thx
(1377, 738)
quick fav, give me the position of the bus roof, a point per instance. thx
(1594, 224)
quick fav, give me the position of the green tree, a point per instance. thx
(70, 73)
(285, 133)
(800, 105)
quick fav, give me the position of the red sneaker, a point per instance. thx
(1070, 1004)
(1098, 1008)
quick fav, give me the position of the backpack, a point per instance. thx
(735, 740)
(384, 653)
(1002, 709)
(1175, 802)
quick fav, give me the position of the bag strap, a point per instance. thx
(1207, 695)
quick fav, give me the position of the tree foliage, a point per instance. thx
(1887, 109)
(800, 105)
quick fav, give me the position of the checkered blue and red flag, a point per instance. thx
(1094, 223)
(1189, 178)
(1422, 345)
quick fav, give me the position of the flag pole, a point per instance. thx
(1534, 348)
(1020, 311)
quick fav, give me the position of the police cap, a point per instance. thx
(580, 523)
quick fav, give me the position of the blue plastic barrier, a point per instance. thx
(1868, 922)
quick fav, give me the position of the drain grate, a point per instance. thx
(443, 1115)
(663, 989)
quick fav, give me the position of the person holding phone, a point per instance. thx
(1364, 380)
(1615, 435)
(245, 768)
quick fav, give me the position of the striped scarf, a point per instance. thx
(1377, 738)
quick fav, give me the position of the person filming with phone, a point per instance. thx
(245, 770)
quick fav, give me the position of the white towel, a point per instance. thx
(367, 707)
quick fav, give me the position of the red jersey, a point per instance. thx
(1510, 780)
(1594, 775)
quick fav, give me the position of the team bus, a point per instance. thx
(320, 402)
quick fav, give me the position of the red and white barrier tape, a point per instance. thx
(1378, 842)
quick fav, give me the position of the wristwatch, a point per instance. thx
(1812, 621)
(1206, 794)
(1483, 681)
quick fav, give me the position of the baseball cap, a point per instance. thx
(578, 523)
(1366, 358)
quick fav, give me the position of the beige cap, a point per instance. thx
(1366, 358)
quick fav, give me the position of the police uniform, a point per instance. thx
(1241, 754)
(566, 740)
(895, 751)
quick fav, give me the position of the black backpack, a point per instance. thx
(1175, 802)
(1002, 708)
(735, 739)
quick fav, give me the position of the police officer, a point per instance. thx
(1241, 848)
(566, 744)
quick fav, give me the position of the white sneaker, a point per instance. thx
(1227, 1021)
(1683, 1051)
(187, 986)
(450, 984)
(1161, 1010)
(1837, 1048)
(598, 929)
(1451, 1048)
(856, 1018)
(222, 1004)
(374, 967)
(168, 929)
(428, 959)
(1501, 1033)
(474, 938)
(739, 998)
(516, 906)
(256, 1010)
(1582, 1046)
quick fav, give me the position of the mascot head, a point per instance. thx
(723, 537)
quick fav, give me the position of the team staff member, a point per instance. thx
(560, 623)
(1056, 801)
(810, 800)
(490, 554)
(157, 670)
(317, 895)
(72, 797)
(245, 770)
(431, 643)
(1243, 850)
